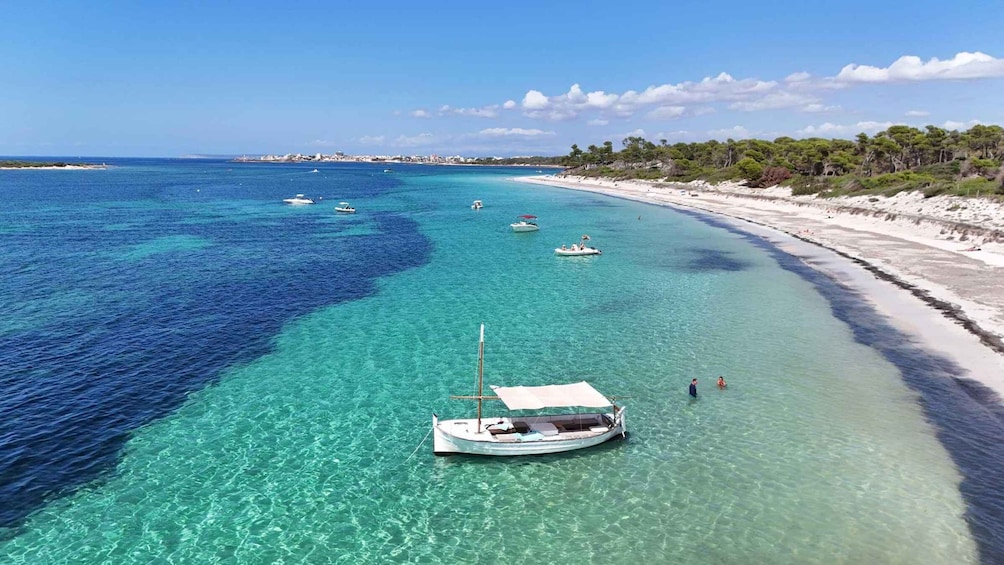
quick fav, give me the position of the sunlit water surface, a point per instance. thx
(201, 374)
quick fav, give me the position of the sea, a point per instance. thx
(192, 371)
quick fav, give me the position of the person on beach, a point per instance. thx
(693, 388)
(721, 382)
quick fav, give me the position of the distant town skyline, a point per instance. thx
(477, 80)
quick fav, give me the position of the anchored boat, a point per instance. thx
(577, 250)
(525, 223)
(530, 435)
(298, 200)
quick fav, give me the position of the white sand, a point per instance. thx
(66, 168)
(917, 242)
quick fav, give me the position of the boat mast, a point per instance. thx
(481, 372)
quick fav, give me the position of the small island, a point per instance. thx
(9, 164)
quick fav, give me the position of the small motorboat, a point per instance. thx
(525, 223)
(298, 200)
(344, 208)
(577, 249)
(388, 171)
(315, 171)
(477, 205)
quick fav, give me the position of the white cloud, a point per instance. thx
(911, 68)
(831, 129)
(734, 132)
(414, 140)
(499, 132)
(491, 111)
(666, 112)
(600, 99)
(372, 139)
(710, 89)
(634, 133)
(774, 100)
(950, 124)
(817, 108)
(534, 100)
(799, 91)
(420, 114)
(917, 114)
(671, 135)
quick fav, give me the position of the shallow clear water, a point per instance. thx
(256, 381)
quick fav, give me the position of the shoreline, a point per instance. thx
(55, 168)
(873, 254)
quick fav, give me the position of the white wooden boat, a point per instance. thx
(344, 208)
(298, 200)
(530, 435)
(525, 223)
(477, 205)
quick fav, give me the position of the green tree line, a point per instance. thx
(931, 159)
(8, 164)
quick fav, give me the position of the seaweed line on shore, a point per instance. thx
(947, 309)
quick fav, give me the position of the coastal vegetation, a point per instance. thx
(933, 160)
(537, 161)
(9, 164)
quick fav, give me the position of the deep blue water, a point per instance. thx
(125, 291)
(110, 319)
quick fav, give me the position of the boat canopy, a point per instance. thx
(550, 396)
(528, 217)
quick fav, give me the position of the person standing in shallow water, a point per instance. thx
(693, 388)
(721, 382)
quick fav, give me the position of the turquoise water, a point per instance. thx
(315, 450)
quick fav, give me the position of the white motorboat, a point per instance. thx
(298, 200)
(525, 223)
(530, 435)
(344, 208)
(477, 205)
(315, 171)
(577, 249)
(388, 171)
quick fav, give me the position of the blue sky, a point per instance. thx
(516, 78)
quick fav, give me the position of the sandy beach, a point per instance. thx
(54, 168)
(934, 266)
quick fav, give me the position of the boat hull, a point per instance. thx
(578, 252)
(518, 228)
(455, 436)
